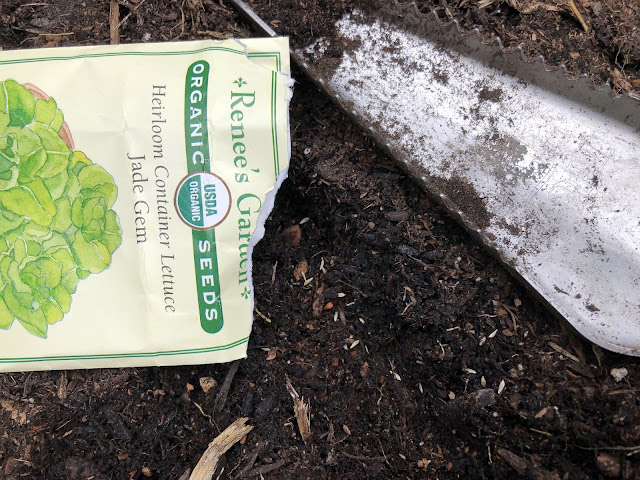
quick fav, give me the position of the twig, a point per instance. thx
(131, 13)
(364, 458)
(206, 467)
(352, 286)
(265, 469)
(562, 351)
(262, 315)
(420, 262)
(208, 417)
(252, 460)
(114, 22)
(616, 448)
(578, 15)
(221, 398)
(524, 467)
(38, 32)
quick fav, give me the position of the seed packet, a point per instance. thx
(134, 182)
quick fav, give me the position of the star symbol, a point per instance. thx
(245, 294)
(240, 82)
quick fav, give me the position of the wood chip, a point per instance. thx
(609, 465)
(526, 468)
(597, 351)
(207, 384)
(221, 398)
(62, 386)
(318, 302)
(302, 412)
(543, 412)
(206, 467)
(619, 81)
(292, 235)
(300, 270)
(260, 471)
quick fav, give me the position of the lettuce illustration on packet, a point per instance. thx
(57, 225)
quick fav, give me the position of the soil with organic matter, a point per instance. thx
(420, 356)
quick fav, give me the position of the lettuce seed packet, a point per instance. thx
(134, 183)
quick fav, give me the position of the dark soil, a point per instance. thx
(421, 357)
(608, 52)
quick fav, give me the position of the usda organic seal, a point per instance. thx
(203, 200)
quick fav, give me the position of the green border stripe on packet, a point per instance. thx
(274, 131)
(166, 353)
(125, 54)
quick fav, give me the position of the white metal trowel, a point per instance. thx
(544, 170)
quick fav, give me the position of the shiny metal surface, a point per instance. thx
(545, 171)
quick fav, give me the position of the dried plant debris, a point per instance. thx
(206, 467)
(302, 411)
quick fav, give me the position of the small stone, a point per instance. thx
(484, 397)
(619, 373)
(146, 471)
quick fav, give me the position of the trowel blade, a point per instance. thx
(544, 170)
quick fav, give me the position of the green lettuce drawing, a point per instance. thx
(57, 225)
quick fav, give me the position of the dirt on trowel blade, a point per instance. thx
(541, 168)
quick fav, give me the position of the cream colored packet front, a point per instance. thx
(134, 182)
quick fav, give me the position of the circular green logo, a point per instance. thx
(202, 200)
